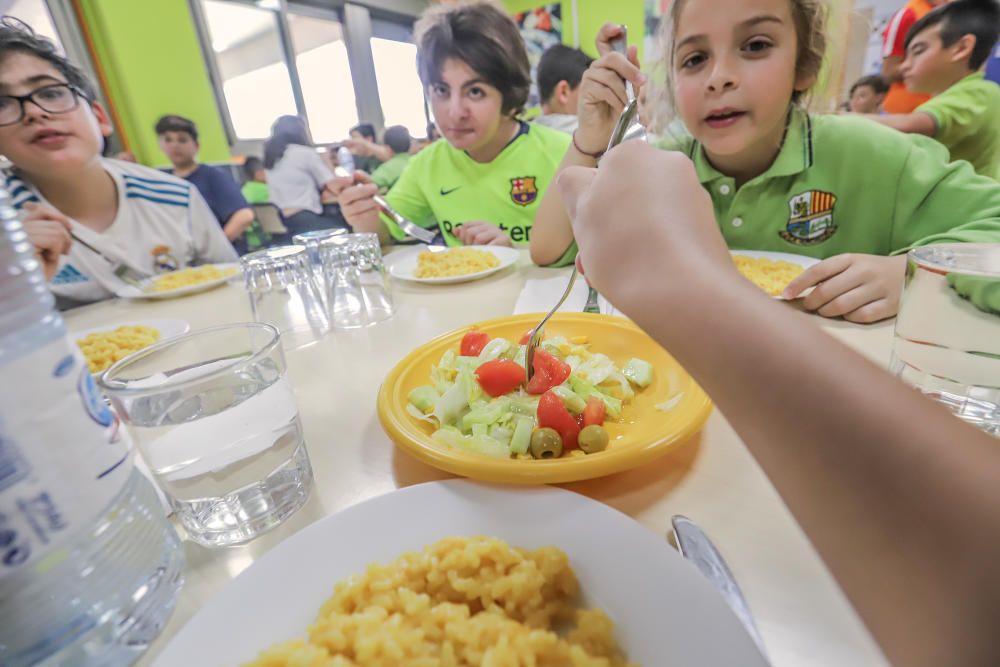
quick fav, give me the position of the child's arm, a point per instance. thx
(859, 288)
(917, 122)
(897, 495)
(602, 98)
(209, 242)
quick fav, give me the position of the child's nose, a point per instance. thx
(723, 74)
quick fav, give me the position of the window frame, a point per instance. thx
(359, 21)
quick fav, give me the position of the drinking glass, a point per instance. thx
(216, 422)
(947, 337)
(311, 242)
(358, 289)
(285, 292)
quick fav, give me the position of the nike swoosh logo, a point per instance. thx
(448, 192)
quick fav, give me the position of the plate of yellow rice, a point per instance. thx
(437, 265)
(182, 282)
(104, 346)
(461, 573)
(771, 271)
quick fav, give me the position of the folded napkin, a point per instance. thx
(541, 293)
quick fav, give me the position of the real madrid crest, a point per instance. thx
(810, 220)
(523, 190)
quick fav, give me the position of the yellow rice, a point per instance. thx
(454, 262)
(460, 601)
(102, 349)
(194, 275)
(769, 275)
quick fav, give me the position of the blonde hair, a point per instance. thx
(810, 18)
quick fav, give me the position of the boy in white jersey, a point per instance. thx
(52, 130)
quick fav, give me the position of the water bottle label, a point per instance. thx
(62, 459)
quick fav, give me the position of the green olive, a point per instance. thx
(593, 438)
(546, 444)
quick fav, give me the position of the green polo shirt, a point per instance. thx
(444, 187)
(387, 173)
(844, 184)
(967, 116)
(255, 192)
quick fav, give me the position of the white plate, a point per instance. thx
(801, 260)
(168, 328)
(660, 604)
(403, 264)
(131, 292)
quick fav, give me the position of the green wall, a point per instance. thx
(592, 15)
(152, 63)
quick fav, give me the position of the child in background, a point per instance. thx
(52, 129)
(179, 142)
(867, 95)
(255, 190)
(481, 185)
(838, 188)
(365, 147)
(297, 177)
(945, 55)
(397, 140)
(558, 76)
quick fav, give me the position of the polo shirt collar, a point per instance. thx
(795, 156)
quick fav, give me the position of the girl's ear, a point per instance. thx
(804, 82)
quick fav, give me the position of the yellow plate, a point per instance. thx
(645, 433)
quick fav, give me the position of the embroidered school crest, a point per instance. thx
(810, 220)
(523, 190)
(163, 261)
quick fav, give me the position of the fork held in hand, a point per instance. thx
(536, 334)
(413, 229)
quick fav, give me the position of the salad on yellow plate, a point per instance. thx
(603, 398)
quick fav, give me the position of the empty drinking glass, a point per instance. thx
(285, 292)
(358, 290)
(311, 241)
(216, 421)
(947, 338)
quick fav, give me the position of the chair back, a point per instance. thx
(270, 218)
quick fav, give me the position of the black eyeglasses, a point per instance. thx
(56, 98)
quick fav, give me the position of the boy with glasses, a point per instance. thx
(52, 129)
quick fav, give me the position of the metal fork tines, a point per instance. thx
(121, 270)
(536, 334)
(411, 228)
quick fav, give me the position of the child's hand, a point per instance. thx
(602, 91)
(478, 232)
(355, 196)
(664, 230)
(341, 183)
(859, 288)
(48, 230)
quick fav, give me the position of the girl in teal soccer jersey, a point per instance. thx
(842, 189)
(482, 185)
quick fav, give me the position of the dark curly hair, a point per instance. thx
(16, 36)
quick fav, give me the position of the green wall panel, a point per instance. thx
(152, 62)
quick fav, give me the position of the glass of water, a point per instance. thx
(358, 288)
(947, 338)
(216, 421)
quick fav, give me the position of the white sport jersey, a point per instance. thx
(163, 224)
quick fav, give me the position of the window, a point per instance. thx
(325, 76)
(269, 58)
(255, 81)
(36, 14)
(399, 86)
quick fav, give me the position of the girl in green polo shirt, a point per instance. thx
(483, 184)
(844, 190)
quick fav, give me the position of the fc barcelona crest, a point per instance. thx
(523, 190)
(810, 219)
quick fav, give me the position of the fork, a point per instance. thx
(593, 305)
(626, 128)
(121, 270)
(414, 230)
(536, 334)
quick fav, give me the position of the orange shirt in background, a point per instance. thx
(899, 99)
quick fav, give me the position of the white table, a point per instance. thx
(801, 612)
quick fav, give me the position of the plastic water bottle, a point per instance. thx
(345, 158)
(89, 565)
